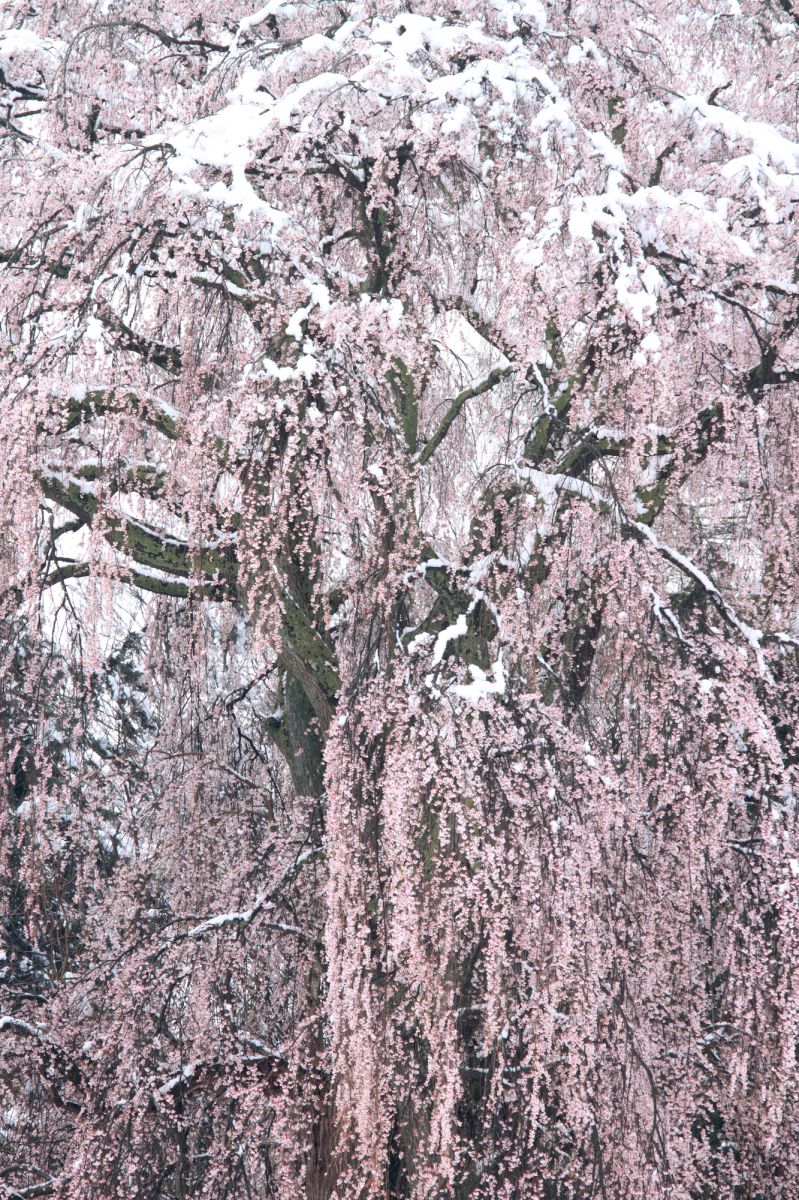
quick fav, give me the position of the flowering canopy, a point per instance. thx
(399, 625)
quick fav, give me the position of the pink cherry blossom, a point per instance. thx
(399, 600)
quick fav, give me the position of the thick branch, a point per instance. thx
(100, 401)
(455, 407)
(215, 565)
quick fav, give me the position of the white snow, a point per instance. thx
(481, 686)
(230, 918)
(448, 635)
(768, 145)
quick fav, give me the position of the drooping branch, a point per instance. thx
(548, 484)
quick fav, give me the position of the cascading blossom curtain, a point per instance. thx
(399, 622)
